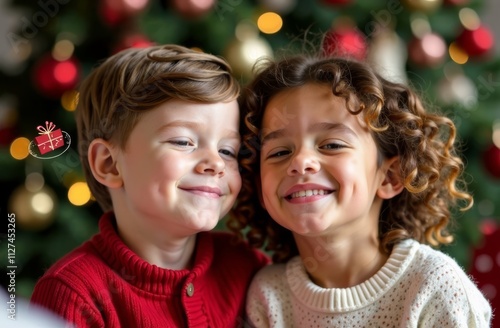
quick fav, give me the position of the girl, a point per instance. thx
(357, 181)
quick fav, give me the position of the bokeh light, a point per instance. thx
(19, 148)
(79, 194)
(269, 23)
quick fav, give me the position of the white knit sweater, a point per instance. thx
(417, 287)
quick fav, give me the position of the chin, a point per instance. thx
(206, 224)
(311, 229)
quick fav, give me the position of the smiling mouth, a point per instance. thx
(204, 191)
(308, 193)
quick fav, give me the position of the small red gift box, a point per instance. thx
(50, 139)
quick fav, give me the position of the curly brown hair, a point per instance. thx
(424, 142)
(125, 86)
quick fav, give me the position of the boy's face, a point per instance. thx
(179, 167)
(319, 170)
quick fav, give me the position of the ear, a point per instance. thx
(392, 184)
(102, 162)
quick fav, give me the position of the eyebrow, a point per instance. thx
(193, 125)
(324, 126)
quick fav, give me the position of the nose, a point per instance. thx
(211, 163)
(303, 162)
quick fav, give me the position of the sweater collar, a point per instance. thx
(331, 300)
(143, 275)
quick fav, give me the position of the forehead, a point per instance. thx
(213, 119)
(305, 105)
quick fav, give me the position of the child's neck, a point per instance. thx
(174, 256)
(169, 253)
(340, 263)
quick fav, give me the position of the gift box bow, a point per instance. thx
(50, 138)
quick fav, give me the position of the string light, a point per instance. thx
(42, 203)
(457, 54)
(79, 194)
(19, 148)
(63, 50)
(496, 133)
(34, 182)
(269, 23)
(469, 18)
(420, 25)
(69, 100)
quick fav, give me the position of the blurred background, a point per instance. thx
(448, 50)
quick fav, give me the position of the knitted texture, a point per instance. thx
(104, 284)
(417, 287)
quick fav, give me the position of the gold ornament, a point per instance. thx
(387, 55)
(69, 100)
(242, 55)
(34, 209)
(246, 49)
(456, 88)
(422, 5)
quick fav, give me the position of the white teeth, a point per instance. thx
(307, 193)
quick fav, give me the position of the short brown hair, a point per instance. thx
(401, 126)
(133, 81)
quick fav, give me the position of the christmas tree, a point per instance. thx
(441, 48)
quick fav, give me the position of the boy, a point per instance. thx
(158, 138)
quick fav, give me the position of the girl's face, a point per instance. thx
(319, 169)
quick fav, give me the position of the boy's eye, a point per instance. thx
(181, 143)
(227, 152)
(278, 153)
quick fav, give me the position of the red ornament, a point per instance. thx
(476, 42)
(427, 51)
(53, 77)
(115, 12)
(133, 41)
(491, 161)
(486, 267)
(193, 9)
(345, 42)
(110, 16)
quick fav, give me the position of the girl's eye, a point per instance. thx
(333, 146)
(227, 152)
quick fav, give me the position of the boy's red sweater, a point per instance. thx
(104, 284)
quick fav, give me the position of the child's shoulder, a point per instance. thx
(81, 261)
(442, 272)
(445, 284)
(436, 259)
(272, 280)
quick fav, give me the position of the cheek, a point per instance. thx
(267, 185)
(169, 167)
(348, 169)
(235, 182)
(232, 176)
